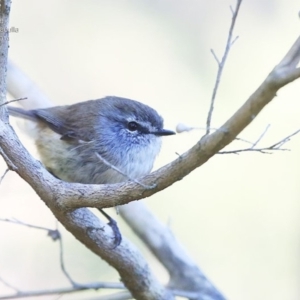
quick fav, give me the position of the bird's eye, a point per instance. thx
(132, 126)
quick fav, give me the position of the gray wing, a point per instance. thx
(72, 122)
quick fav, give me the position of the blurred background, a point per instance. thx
(238, 215)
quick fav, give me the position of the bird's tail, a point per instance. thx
(29, 128)
(22, 113)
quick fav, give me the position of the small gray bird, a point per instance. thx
(81, 142)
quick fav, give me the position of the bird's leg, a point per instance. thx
(111, 222)
(114, 226)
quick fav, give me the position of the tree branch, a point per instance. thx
(265, 150)
(221, 64)
(90, 286)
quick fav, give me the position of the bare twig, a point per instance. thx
(215, 57)
(116, 296)
(180, 128)
(221, 64)
(234, 40)
(14, 100)
(260, 150)
(265, 150)
(92, 286)
(73, 289)
(124, 174)
(62, 263)
(2, 177)
(261, 136)
(284, 140)
(50, 232)
(9, 285)
(55, 235)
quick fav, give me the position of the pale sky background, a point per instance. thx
(238, 215)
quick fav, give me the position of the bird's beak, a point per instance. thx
(162, 132)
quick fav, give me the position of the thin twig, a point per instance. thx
(234, 40)
(148, 187)
(18, 222)
(53, 234)
(261, 150)
(221, 64)
(61, 260)
(8, 285)
(181, 129)
(215, 56)
(285, 140)
(94, 286)
(90, 286)
(261, 136)
(14, 100)
(125, 295)
(265, 150)
(2, 177)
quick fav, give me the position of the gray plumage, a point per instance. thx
(124, 132)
